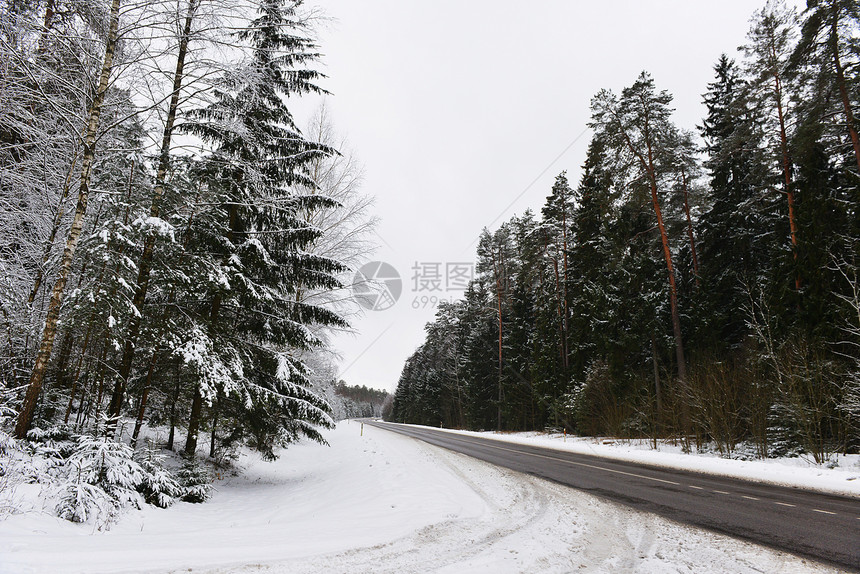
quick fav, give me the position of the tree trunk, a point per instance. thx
(25, 418)
(77, 373)
(667, 254)
(143, 397)
(497, 267)
(100, 384)
(145, 263)
(647, 164)
(47, 23)
(499, 413)
(215, 426)
(657, 389)
(214, 312)
(85, 402)
(673, 289)
(840, 81)
(8, 330)
(193, 424)
(560, 312)
(786, 162)
(62, 360)
(172, 435)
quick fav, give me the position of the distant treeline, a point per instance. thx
(360, 401)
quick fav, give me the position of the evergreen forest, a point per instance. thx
(696, 284)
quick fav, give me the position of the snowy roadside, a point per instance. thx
(797, 472)
(381, 502)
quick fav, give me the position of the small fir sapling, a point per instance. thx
(195, 481)
(159, 487)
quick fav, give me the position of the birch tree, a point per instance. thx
(34, 387)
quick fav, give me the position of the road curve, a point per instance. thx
(820, 526)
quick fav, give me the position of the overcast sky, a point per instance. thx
(464, 111)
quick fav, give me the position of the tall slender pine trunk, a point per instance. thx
(498, 269)
(648, 165)
(786, 159)
(840, 82)
(34, 388)
(667, 255)
(673, 287)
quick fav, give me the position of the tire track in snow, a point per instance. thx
(528, 524)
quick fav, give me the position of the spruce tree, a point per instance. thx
(592, 285)
(258, 237)
(739, 226)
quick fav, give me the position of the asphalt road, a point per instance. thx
(819, 526)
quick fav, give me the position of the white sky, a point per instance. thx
(455, 107)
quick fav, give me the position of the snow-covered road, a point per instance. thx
(380, 502)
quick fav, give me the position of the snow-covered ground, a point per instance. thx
(381, 502)
(840, 476)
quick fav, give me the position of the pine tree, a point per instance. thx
(556, 222)
(826, 153)
(637, 128)
(495, 263)
(828, 46)
(772, 38)
(524, 408)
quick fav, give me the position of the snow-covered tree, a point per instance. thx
(256, 325)
(638, 129)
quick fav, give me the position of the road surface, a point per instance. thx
(820, 526)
